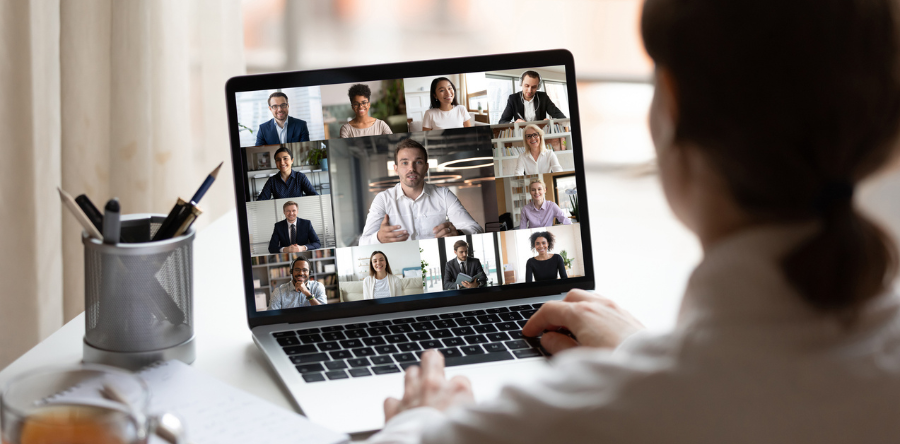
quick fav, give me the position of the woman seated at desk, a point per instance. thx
(287, 182)
(537, 158)
(381, 282)
(362, 124)
(541, 212)
(445, 111)
(545, 266)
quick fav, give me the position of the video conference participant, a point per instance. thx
(287, 183)
(541, 212)
(300, 291)
(545, 266)
(381, 282)
(537, 158)
(466, 265)
(412, 209)
(362, 124)
(282, 128)
(445, 111)
(530, 104)
(293, 234)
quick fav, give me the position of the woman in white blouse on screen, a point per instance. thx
(789, 328)
(381, 282)
(445, 111)
(537, 158)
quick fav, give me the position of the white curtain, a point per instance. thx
(109, 99)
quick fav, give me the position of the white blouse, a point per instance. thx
(436, 119)
(547, 162)
(748, 362)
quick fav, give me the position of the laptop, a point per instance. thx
(389, 209)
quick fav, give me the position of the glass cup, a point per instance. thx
(80, 405)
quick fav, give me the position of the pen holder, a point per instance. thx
(138, 297)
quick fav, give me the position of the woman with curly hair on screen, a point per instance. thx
(362, 124)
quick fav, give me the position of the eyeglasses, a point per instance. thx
(532, 136)
(282, 106)
(359, 104)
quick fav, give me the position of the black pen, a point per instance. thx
(90, 211)
(111, 222)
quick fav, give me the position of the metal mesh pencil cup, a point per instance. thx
(138, 297)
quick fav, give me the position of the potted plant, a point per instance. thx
(316, 157)
(573, 200)
(566, 259)
(424, 268)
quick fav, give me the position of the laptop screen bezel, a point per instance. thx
(524, 60)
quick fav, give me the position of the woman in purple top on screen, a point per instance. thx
(541, 212)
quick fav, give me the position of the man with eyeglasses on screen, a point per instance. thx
(530, 104)
(282, 128)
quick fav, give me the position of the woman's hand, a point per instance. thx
(428, 387)
(595, 320)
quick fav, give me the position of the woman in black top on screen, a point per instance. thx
(545, 266)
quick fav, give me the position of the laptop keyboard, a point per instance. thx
(383, 347)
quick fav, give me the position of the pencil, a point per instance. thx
(79, 215)
(206, 184)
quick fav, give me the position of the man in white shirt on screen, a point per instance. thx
(413, 209)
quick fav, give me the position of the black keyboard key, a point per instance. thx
(335, 365)
(312, 357)
(453, 342)
(440, 334)
(473, 313)
(310, 368)
(385, 369)
(405, 357)
(419, 336)
(433, 343)
(313, 377)
(403, 321)
(485, 328)
(507, 326)
(475, 339)
(308, 331)
(374, 341)
(360, 372)
(471, 320)
(339, 374)
(329, 346)
(516, 334)
(522, 323)
(445, 323)
(352, 343)
(333, 336)
(386, 349)
(341, 354)
(497, 310)
(311, 339)
(491, 348)
(381, 360)
(422, 326)
(378, 331)
(362, 352)
(287, 341)
(379, 323)
(497, 337)
(298, 349)
(332, 328)
(533, 342)
(472, 350)
(284, 334)
(402, 328)
(527, 353)
(520, 307)
(408, 346)
(395, 339)
(478, 359)
(511, 316)
(426, 318)
(488, 319)
(358, 333)
(447, 352)
(359, 362)
(527, 313)
(355, 326)
(450, 315)
(462, 331)
(406, 365)
(518, 344)
(537, 306)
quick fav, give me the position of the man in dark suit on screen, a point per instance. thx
(462, 263)
(293, 235)
(282, 128)
(530, 104)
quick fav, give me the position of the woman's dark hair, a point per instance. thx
(793, 103)
(435, 103)
(283, 149)
(544, 234)
(359, 90)
(387, 265)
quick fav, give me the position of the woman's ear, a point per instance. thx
(665, 85)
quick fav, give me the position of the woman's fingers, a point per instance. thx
(391, 408)
(412, 389)
(551, 316)
(556, 342)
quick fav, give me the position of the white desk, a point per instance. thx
(642, 259)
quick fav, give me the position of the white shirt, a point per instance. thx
(418, 216)
(294, 224)
(436, 119)
(748, 362)
(529, 109)
(382, 288)
(545, 163)
(282, 130)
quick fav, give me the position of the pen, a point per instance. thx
(180, 211)
(92, 213)
(79, 215)
(111, 222)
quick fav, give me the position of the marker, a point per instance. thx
(111, 222)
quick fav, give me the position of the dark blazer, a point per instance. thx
(451, 270)
(515, 108)
(305, 236)
(268, 132)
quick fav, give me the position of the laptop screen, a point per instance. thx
(374, 194)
